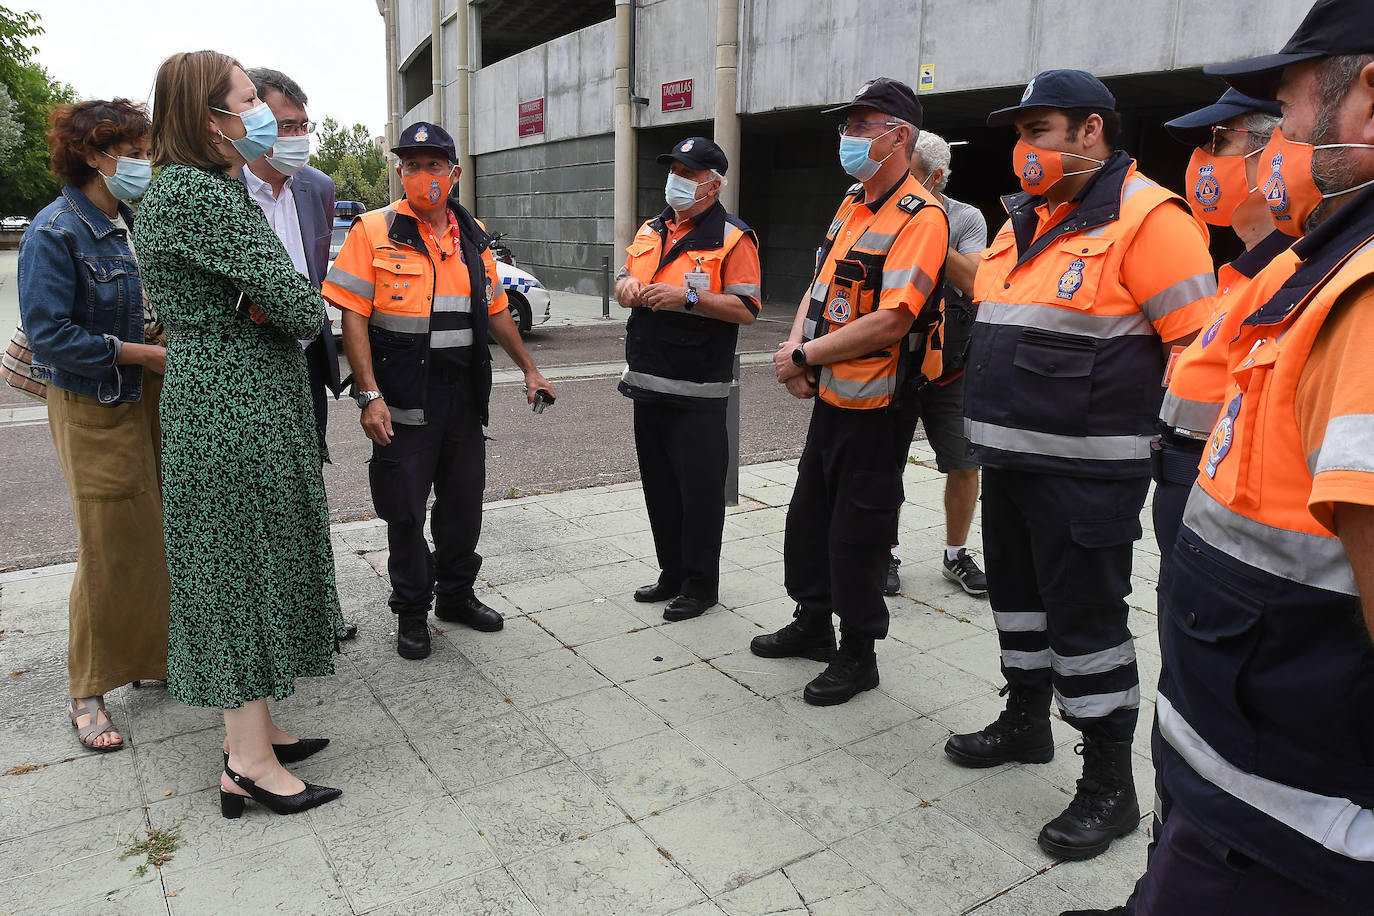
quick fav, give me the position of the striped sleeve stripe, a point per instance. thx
(1181, 295)
(752, 290)
(1190, 416)
(913, 276)
(353, 284)
(1347, 445)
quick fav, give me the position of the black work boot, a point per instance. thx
(1103, 808)
(854, 670)
(807, 636)
(469, 610)
(1021, 733)
(412, 635)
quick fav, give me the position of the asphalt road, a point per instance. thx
(585, 440)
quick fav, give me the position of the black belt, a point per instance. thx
(1174, 459)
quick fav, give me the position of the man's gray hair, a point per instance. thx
(265, 78)
(1261, 127)
(935, 155)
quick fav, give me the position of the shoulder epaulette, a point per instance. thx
(854, 189)
(910, 203)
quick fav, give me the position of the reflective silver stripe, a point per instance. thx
(1347, 445)
(451, 339)
(1095, 448)
(896, 279)
(752, 290)
(1094, 662)
(1020, 621)
(1066, 321)
(819, 289)
(854, 390)
(1189, 416)
(1181, 295)
(1026, 661)
(403, 324)
(675, 385)
(1309, 559)
(356, 285)
(622, 273)
(1134, 186)
(1098, 705)
(809, 328)
(408, 416)
(453, 303)
(1337, 824)
(876, 241)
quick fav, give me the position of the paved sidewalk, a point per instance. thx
(589, 759)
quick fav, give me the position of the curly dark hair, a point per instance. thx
(75, 131)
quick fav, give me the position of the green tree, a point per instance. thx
(25, 183)
(358, 167)
(11, 131)
(351, 183)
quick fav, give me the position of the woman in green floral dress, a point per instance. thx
(253, 603)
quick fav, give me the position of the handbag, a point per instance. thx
(16, 365)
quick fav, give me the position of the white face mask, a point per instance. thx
(680, 193)
(290, 154)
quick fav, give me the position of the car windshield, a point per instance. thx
(337, 240)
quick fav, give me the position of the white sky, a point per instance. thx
(335, 49)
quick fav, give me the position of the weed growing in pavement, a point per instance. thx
(158, 847)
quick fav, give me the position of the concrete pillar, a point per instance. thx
(727, 117)
(436, 61)
(393, 92)
(462, 118)
(626, 146)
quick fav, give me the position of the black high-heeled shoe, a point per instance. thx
(295, 752)
(231, 806)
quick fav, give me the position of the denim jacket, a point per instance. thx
(80, 298)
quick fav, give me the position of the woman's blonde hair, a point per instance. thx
(188, 85)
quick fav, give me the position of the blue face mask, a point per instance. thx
(854, 155)
(260, 127)
(131, 176)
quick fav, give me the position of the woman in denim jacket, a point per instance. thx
(81, 304)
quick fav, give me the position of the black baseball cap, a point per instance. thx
(1058, 89)
(1330, 28)
(892, 97)
(424, 135)
(698, 153)
(1195, 128)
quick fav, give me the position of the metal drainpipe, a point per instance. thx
(392, 128)
(727, 116)
(626, 144)
(436, 62)
(467, 179)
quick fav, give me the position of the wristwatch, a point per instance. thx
(692, 298)
(799, 357)
(363, 398)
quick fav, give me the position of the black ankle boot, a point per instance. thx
(412, 635)
(807, 636)
(1021, 733)
(1103, 808)
(854, 670)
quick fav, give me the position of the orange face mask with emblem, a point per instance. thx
(1217, 185)
(426, 191)
(1290, 189)
(1041, 169)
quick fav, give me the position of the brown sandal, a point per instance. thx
(86, 734)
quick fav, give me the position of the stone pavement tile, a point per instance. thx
(715, 633)
(1148, 663)
(441, 706)
(687, 694)
(616, 871)
(145, 898)
(784, 472)
(45, 735)
(751, 552)
(588, 621)
(491, 893)
(56, 867)
(33, 670)
(636, 546)
(64, 793)
(866, 715)
(729, 838)
(705, 908)
(287, 878)
(181, 764)
(979, 655)
(912, 755)
(539, 810)
(154, 714)
(1106, 881)
(620, 521)
(43, 587)
(351, 724)
(375, 782)
(751, 585)
(770, 494)
(31, 618)
(917, 516)
(635, 655)
(925, 683)
(506, 569)
(1143, 595)
(1043, 895)
(834, 795)
(492, 749)
(1009, 808)
(788, 891)
(208, 837)
(1145, 627)
(520, 637)
(374, 659)
(770, 615)
(768, 677)
(592, 721)
(654, 772)
(550, 675)
(931, 861)
(533, 596)
(618, 579)
(588, 554)
(406, 852)
(924, 627)
(758, 737)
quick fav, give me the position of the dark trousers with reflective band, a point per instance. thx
(1191, 872)
(1175, 470)
(683, 454)
(842, 519)
(446, 454)
(1058, 553)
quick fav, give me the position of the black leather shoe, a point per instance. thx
(1021, 733)
(469, 611)
(412, 636)
(1104, 806)
(892, 582)
(807, 636)
(659, 591)
(685, 607)
(854, 670)
(295, 752)
(231, 805)
(349, 631)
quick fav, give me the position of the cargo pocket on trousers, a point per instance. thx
(1109, 532)
(869, 514)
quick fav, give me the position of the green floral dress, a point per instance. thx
(254, 603)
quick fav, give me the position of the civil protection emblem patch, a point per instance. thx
(839, 310)
(1207, 190)
(1071, 279)
(1222, 437)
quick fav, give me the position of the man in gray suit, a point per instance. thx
(299, 203)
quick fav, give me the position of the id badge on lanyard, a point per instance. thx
(697, 279)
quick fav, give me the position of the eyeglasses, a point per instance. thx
(295, 128)
(1218, 138)
(847, 129)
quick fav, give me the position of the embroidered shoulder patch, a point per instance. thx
(910, 203)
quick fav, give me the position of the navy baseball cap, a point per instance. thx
(1058, 89)
(424, 135)
(892, 97)
(698, 153)
(1195, 128)
(1330, 28)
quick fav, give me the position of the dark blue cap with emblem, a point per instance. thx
(698, 153)
(1195, 128)
(424, 135)
(1058, 89)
